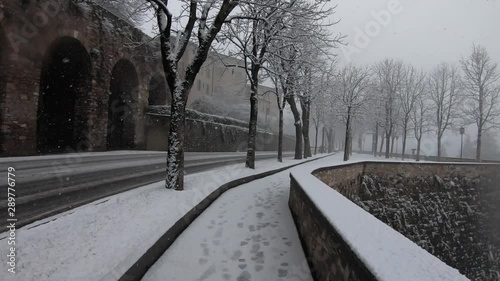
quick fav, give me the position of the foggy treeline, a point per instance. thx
(392, 100)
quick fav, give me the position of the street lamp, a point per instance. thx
(462, 132)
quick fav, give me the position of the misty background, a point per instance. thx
(423, 33)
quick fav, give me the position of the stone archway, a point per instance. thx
(159, 93)
(64, 81)
(124, 88)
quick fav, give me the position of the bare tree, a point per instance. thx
(276, 77)
(389, 77)
(420, 118)
(374, 115)
(482, 92)
(445, 94)
(351, 85)
(322, 90)
(413, 87)
(258, 25)
(207, 19)
(293, 56)
(317, 116)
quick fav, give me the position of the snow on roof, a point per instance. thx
(388, 255)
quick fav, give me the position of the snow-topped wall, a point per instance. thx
(450, 210)
(205, 132)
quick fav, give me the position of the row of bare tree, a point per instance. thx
(392, 99)
(284, 41)
(291, 43)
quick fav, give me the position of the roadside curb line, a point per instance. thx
(141, 266)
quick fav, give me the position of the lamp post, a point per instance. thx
(462, 132)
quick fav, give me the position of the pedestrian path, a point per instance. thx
(247, 234)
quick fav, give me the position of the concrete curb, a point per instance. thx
(141, 266)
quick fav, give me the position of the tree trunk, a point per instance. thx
(439, 147)
(280, 137)
(382, 144)
(478, 147)
(316, 141)
(404, 140)
(347, 130)
(175, 153)
(323, 150)
(298, 127)
(387, 145)
(330, 140)
(252, 126)
(418, 148)
(360, 142)
(375, 141)
(305, 106)
(350, 141)
(392, 145)
(333, 139)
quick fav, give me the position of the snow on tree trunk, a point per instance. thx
(298, 127)
(175, 154)
(280, 137)
(252, 126)
(305, 106)
(347, 139)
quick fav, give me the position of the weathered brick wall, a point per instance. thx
(105, 42)
(451, 210)
(328, 255)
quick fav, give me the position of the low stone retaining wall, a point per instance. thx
(210, 136)
(451, 210)
(329, 256)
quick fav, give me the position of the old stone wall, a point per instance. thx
(203, 135)
(450, 210)
(30, 29)
(329, 256)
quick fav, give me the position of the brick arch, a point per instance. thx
(65, 81)
(159, 93)
(122, 105)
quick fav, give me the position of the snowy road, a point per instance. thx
(247, 234)
(48, 185)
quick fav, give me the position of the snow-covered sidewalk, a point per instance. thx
(246, 234)
(101, 240)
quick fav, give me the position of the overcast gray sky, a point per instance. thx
(423, 32)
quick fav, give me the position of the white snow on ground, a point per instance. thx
(247, 234)
(101, 240)
(389, 255)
